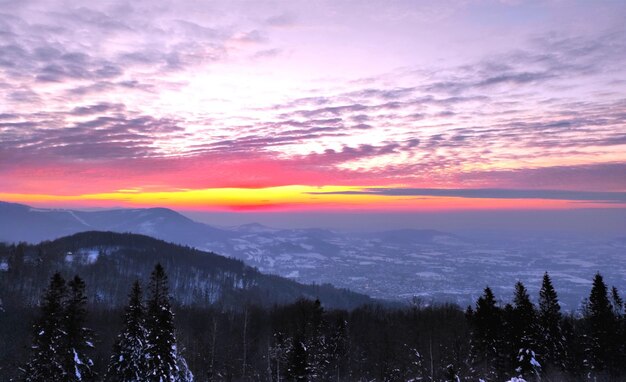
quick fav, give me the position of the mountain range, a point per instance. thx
(393, 264)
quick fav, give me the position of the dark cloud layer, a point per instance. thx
(493, 193)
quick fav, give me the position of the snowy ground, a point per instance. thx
(436, 268)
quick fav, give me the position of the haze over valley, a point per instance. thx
(401, 264)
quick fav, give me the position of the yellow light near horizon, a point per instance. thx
(213, 197)
(285, 198)
(242, 197)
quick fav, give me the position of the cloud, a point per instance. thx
(348, 153)
(597, 177)
(97, 108)
(100, 48)
(282, 20)
(267, 53)
(493, 193)
(548, 60)
(103, 136)
(210, 82)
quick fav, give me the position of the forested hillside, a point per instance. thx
(131, 317)
(109, 262)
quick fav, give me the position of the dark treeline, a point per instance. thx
(540, 343)
(108, 262)
(303, 341)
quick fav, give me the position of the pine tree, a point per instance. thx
(162, 353)
(524, 331)
(617, 302)
(128, 362)
(486, 348)
(297, 367)
(617, 361)
(553, 341)
(338, 347)
(317, 345)
(46, 363)
(280, 353)
(184, 373)
(16, 259)
(309, 348)
(599, 306)
(600, 327)
(78, 339)
(620, 328)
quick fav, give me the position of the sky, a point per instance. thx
(337, 107)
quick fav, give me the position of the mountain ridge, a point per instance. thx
(109, 262)
(97, 220)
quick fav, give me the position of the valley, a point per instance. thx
(421, 266)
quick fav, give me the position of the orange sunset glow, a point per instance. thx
(301, 198)
(305, 114)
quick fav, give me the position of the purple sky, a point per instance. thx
(196, 105)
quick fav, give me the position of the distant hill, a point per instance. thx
(19, 222)
(109, 262)
(391, 264)
(22, 223)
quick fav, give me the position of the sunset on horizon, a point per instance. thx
(325, 105)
